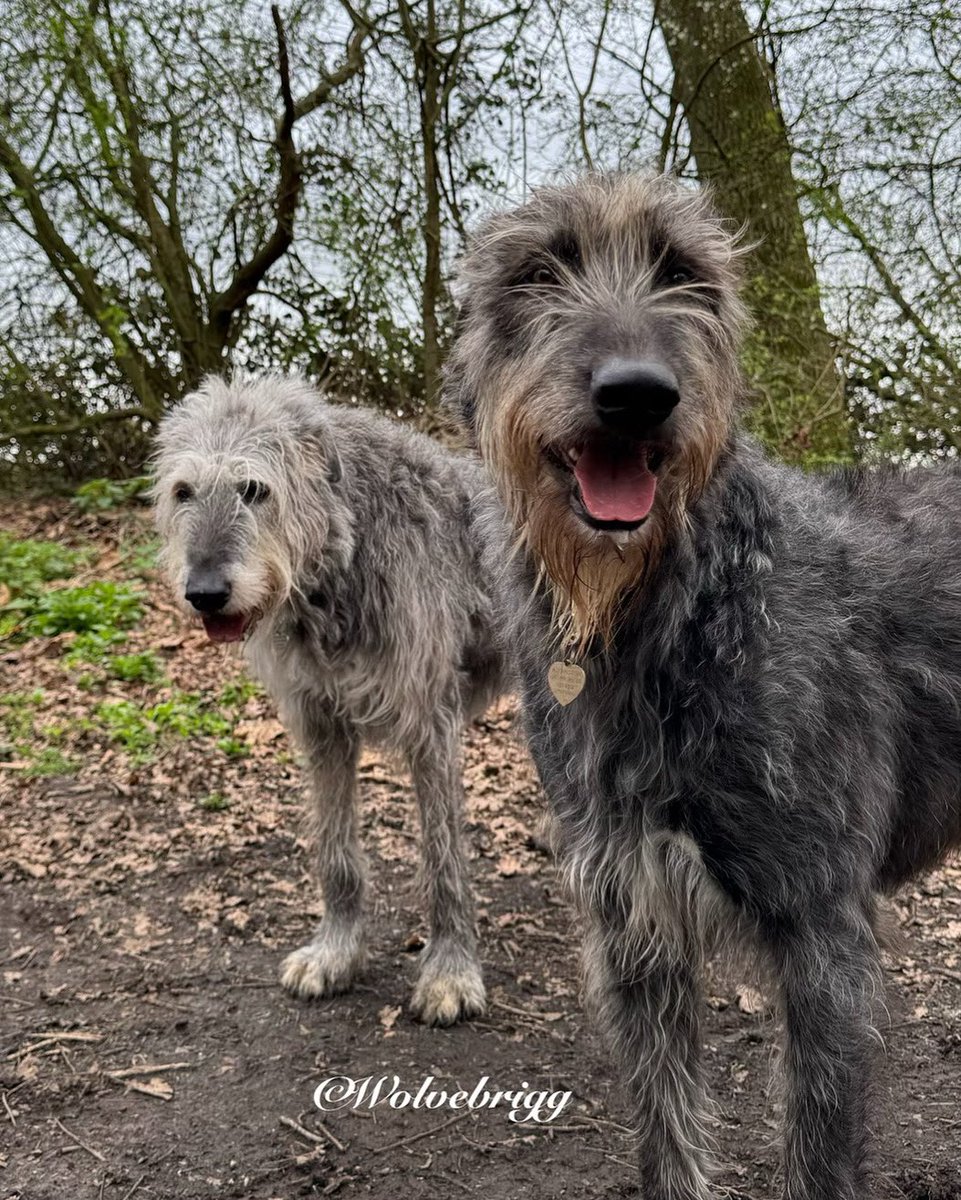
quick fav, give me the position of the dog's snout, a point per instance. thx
(633, 397)
(208, 591)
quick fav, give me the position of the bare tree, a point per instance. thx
(103, 154)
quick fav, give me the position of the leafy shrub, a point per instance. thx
(98, 495)
(97, 607)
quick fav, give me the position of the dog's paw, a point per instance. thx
(445, 995)
(324, 967)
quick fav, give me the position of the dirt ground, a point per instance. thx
(146, 1050)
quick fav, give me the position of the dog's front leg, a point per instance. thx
(330, 962)
(830, 977)
(645, 989)
(451, 986)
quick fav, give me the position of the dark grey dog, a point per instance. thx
(339, 546)
(769, 731)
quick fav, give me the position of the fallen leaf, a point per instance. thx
(388, 1018)
(159, 1088)
(751, 1001)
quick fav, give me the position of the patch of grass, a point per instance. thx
(140, 556)
(233, 747)
(140, 730)
(16, 714)
(127, 725)
(236, 695)
(51, 761)
(26, 566)
(215, 802)
(187, 715)
(99, 495)
(21, 737)
(135, 668)
(97, 607)
(93, 646)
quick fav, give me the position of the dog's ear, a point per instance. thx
(457, 395)
(335, 468)
(319, 436)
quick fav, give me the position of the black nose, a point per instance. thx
(633, 397)
(208, 591)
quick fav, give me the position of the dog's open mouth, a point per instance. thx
(614, 480)
(220, 627)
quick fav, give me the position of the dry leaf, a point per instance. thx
(155, 1086)
(508, 866)
(750, 1001)
(388, 1018)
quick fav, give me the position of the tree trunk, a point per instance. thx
(740, 144)
(431, 83)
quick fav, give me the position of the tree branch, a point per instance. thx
(96, 418)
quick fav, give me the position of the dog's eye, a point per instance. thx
(537, 276)
(543, 276)
(674, 272)
(252, 492)
(183, 492)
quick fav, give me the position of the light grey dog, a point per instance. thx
(768, 730)
(339, 546)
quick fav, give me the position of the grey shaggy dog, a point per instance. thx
(769, 731)
(338, 545)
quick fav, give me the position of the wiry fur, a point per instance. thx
(372, 623)
(529, 347)
(770, 731)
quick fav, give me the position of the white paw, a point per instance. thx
(323, 967)
(442, 997)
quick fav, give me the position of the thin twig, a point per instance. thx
(73, 1137)
(127, 1195)
(314, 1137)
(417, 1136)
(149, 1070)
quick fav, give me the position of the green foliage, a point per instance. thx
(97, 607)
(23, 738)
(139, 730)
(127, 725)
(233, 747)
(93, 646)
(16, 713)
(140, 555)
(25, 566)
(135, 668)
(215, 802)
(186, 714)
(99, 495)
(50, 760)
(236, 694)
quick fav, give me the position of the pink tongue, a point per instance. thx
(615, 487)
(225, 629)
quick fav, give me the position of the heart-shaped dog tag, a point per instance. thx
(566, 680)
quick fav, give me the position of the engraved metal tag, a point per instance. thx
(566, 681)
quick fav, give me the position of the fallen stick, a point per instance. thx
(73, 1137)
